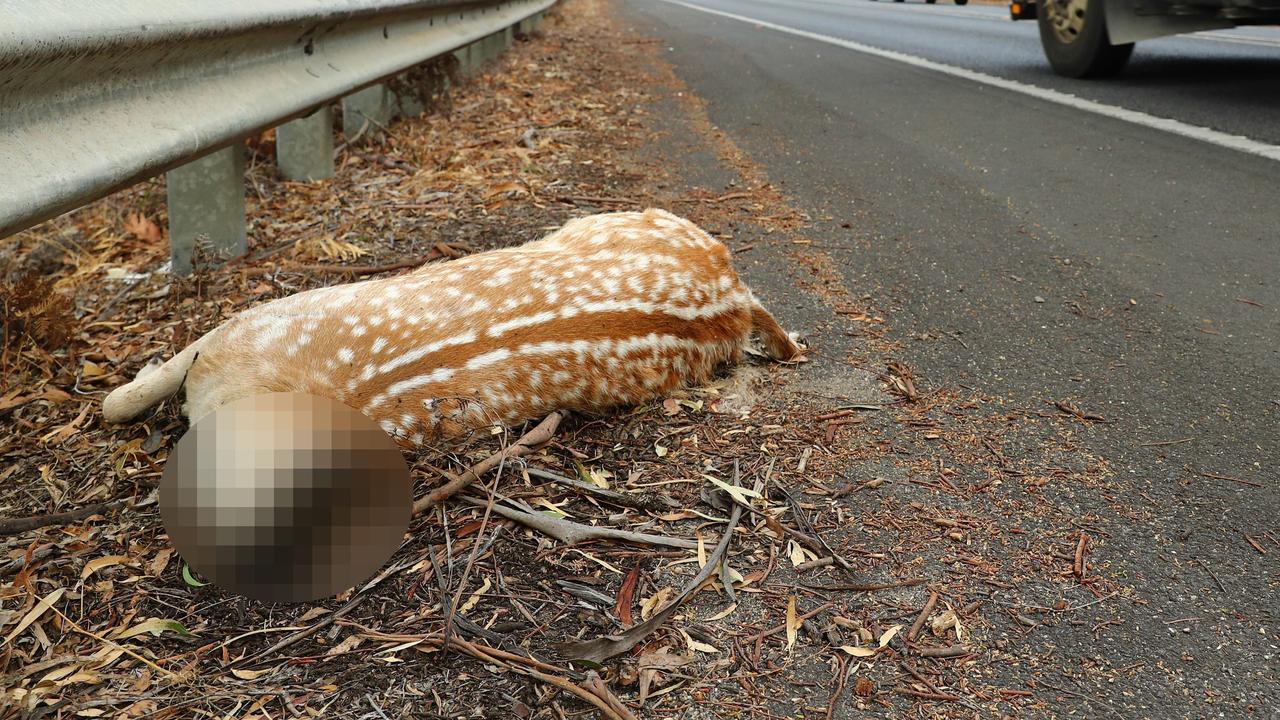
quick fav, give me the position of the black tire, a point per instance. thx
(1083, 52)
(962, 2)
(930, 2)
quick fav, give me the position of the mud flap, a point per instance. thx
(1126, 25)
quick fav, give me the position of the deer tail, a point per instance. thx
(154, 383)
(777, 343)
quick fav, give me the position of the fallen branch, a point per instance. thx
(921, 678)
(572, 533)
(1078, 565)
(609, 496)
(597, 686)
(924, 615)
(18, 564)
(608, 705)
(12, 526)
(927, 695)
(595, 693)
(525, 445)
(607, 646)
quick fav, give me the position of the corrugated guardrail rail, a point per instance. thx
(95, 96)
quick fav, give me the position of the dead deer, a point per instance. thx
(609, 310)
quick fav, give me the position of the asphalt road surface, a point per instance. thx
(1035, 250)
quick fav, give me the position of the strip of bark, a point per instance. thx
(1078, 567)
(924, 615)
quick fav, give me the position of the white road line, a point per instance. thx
(1219, 36)
(1136, 117)
(974, 12)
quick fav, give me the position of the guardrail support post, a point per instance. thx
(304, 147)
(489, 48)
(366, 112)
(463, 55)
(206, 200)
(420, 88)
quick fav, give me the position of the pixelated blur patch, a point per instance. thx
(286, 497)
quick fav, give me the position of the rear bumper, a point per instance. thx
(1022, 9)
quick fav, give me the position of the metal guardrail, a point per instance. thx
(96, 95)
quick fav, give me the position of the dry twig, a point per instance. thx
(531, 441)
(609, 645)
(572, 533)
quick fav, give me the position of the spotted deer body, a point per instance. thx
(609, 310)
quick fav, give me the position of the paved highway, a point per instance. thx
(1051, 248)
(1227, 80)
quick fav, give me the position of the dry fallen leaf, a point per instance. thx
(859, 651)
(626, 596)
(740, 494)
(655, 602)
(697, 646)
(159, 562)
(598, 477)
(103, 562)
(946, 621)
(888, 635)
(474, 600)
(796, 553)
(40, 609)
(348, 644)
(313, 613)
(651, 663)
(793, 623)
(722, 614)
(142, 228)
(90, 369)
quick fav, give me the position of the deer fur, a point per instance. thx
(609, 310)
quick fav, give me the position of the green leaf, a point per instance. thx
(589, 664)
(155, 626)
(190, 579)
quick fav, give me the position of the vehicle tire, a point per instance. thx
(962, 2)
(1074, 36)
(930, 2)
